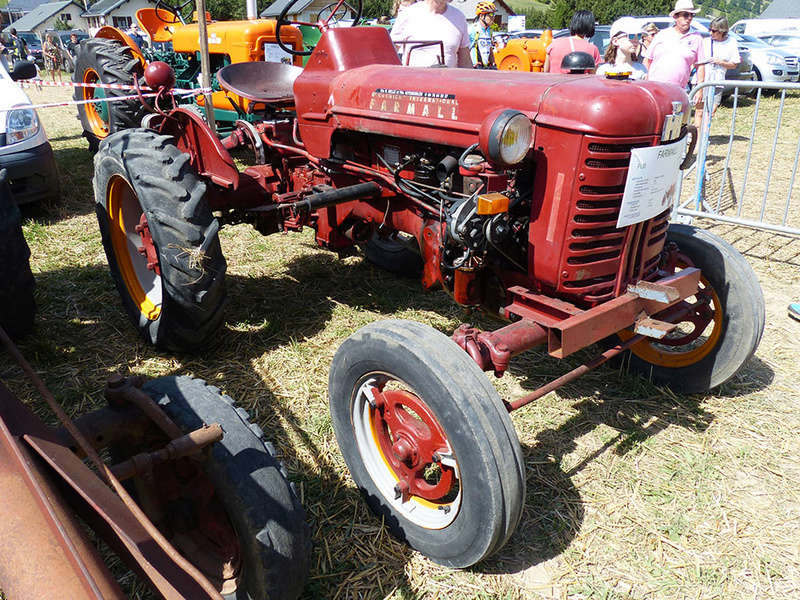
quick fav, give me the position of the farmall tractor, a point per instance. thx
(113, 57)
(510, 187)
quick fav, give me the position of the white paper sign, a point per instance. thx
(516, 23)
(652, 182)
(274, 53)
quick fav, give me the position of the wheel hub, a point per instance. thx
(412, 442)
(148, 248)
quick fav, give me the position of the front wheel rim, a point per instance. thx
(416, 473)
(140, 275)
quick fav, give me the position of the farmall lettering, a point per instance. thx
(414, 103)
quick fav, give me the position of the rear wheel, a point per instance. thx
(233, 513)
(106, 61)
(722, 327)
(17, 307)
(427, 440)
(160, 239)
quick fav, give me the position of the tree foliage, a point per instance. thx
(560, 12)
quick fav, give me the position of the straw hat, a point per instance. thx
(684, 6)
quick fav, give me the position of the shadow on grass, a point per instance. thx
(82, 336)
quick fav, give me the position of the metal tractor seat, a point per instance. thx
(266, 82)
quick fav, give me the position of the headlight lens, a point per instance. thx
(505, 137)
(774, 59)
(21, 124)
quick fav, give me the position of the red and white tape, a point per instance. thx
(178, 92)
(37, 83)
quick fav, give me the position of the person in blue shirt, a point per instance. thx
(481, 43)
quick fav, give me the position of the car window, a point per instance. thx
(752, 40)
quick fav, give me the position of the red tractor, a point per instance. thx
(509, 186)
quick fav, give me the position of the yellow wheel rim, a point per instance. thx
(96, 112)
(124, 213)
(675, 357)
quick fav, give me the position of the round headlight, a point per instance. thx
(505, 137)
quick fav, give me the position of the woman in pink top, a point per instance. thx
(581, 27)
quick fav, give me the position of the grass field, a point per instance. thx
(632, 491)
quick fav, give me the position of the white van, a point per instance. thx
(759, 27)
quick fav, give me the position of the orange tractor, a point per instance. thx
(114, 57)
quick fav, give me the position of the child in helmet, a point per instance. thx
(481, 44)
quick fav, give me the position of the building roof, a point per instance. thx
(22, 6)
(40, 14)
(781, 9)
(102, 8)
(468, 7)
(274, 9)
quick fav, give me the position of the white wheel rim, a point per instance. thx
(419, 511)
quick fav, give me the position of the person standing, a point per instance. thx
(722, 53)
(73, 45)
(648, 32)
(676, 50)
(581, 28)
(619, 56)
(18, 49)
(482, 44)
(52, 57)
(433, 20)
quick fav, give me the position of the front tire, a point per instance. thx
(106, 61)
(724, 328)
(160, 239)
(427, 441)
(270, 556)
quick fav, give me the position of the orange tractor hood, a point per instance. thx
(449, 106)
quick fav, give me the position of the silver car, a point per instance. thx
(770, 63)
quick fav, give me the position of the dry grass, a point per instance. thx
(633, 492)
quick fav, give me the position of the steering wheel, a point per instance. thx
(337, 11)
(175, 10)
(336, 14)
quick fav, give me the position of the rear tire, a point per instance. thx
(250, 483)
(732, 335)
(427, 441)
(109, 62)
(17, 306)
(172, 283)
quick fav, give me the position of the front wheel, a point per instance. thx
(722, 327)
(427, 440)
(233, 514)
(160, 238)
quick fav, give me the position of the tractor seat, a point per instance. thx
(266, 82)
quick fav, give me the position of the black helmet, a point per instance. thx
(578, 62)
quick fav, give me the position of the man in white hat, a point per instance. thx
(675, 50)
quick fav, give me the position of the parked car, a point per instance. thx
(788, 41)
(760, 27)
(62, 39)
(33, 45)
(770, 63)
(24, 149)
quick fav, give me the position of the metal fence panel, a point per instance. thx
(747, 158)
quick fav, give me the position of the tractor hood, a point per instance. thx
(449, 106)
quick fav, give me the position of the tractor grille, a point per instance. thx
(599, 259)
